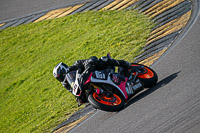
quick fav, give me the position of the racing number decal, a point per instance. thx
(100, 75)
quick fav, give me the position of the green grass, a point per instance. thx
(31, 100)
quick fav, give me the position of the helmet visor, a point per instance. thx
(60, 78)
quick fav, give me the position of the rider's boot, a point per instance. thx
(79, 101)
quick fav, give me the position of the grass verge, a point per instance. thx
(31, 99)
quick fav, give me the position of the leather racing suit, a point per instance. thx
(86, 66)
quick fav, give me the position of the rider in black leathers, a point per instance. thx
(85, 67)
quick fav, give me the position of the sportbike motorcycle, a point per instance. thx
(109, 90)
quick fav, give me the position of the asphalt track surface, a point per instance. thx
(16, 8)
(173, 105)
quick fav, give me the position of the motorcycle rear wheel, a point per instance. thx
(103, 102)
(149, 78)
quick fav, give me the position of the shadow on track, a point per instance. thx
(146, 92)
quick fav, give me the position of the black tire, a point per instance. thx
(93, 100)
(151, 80)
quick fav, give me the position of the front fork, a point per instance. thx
(101, 91)
(98, 89)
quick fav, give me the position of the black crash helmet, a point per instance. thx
(59, 71)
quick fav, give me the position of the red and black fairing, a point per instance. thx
(109, 81)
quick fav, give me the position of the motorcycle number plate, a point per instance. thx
(137, 86)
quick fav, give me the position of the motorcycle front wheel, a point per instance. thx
(106, 103)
